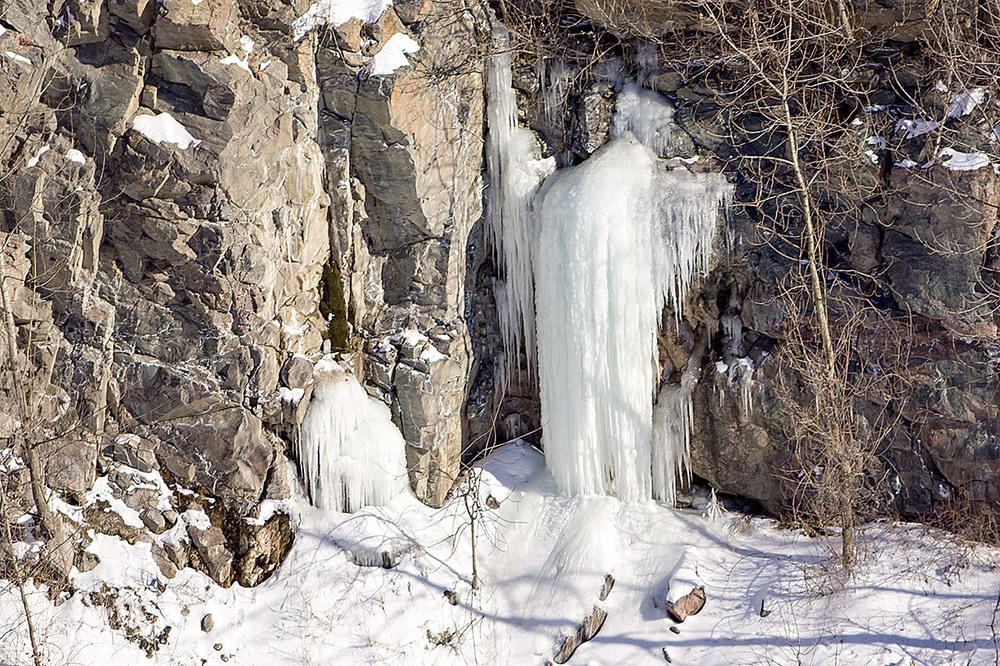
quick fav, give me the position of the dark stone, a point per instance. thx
(207, 623)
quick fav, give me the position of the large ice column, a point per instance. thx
(597, 318)
(350, 453)
(621, 237)
(514, 177)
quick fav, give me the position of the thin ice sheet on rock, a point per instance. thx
(955, 160)
(646, 115)
(964, 102)
(350, 452)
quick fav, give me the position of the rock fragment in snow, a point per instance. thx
(609, 583)
(690, 604)
(211, 545)
(586, 631)
(153, 520)
(207, 623)
(163, 561)
(177, 553)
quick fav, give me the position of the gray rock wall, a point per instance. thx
(168, 291)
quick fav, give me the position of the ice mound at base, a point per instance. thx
(350, 453)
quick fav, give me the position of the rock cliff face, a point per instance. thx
(198, 199)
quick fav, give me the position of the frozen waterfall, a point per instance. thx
(350, 453)
(514, 176)
(620, 237)
(587, 265)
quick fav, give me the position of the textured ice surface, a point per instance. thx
(350, 452)
(620, 238)
(514, 176)
(647, 115)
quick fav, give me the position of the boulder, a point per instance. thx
(210, 545)
(689, 604)
(186, 26)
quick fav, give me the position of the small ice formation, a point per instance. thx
(646, 115)
(350, 453)
(515, 173)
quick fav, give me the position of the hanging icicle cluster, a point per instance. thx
(588, 264)
(349, 451)
(514, 176)
(621, 237)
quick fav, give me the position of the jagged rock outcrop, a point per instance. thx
(198, 198)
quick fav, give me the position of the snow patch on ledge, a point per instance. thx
(915, 127)
(337, 12)
(965, 101)
(958, 161)
(232, 59)
(164, 128)
(33, 162)
(392, 55)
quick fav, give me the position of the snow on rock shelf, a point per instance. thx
(392, 55)
(337, 12)
(922, 597)
(164, 128)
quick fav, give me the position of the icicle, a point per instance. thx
(732, 332)
(688, 207)
(620, 238)
(673, 421)
(647, 60)
(350, 453)
(554, 79)
(673, 418)
(741, 382)
(514, 177)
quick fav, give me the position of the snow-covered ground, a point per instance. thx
(922, 597)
